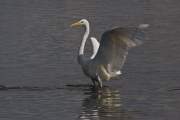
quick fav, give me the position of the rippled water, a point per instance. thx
(43, 81)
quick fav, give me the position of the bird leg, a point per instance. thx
(99, 82)
(94, 82)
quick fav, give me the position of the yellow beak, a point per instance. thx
(76, 24)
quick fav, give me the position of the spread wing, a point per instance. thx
(114, 46)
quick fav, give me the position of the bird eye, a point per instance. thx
(82, 22)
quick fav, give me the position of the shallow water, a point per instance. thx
(38, 64)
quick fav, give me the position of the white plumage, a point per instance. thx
(95, 45)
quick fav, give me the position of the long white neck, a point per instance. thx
(86, 34)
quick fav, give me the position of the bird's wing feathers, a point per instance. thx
(95, 45)
(114, 47)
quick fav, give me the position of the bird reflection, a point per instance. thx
(104, 104)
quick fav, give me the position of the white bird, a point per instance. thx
(110, 54)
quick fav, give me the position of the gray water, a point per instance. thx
(43, 81)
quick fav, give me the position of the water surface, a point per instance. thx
(38, 64)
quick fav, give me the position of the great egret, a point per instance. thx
(110, 54)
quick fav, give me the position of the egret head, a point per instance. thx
(82, 22)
